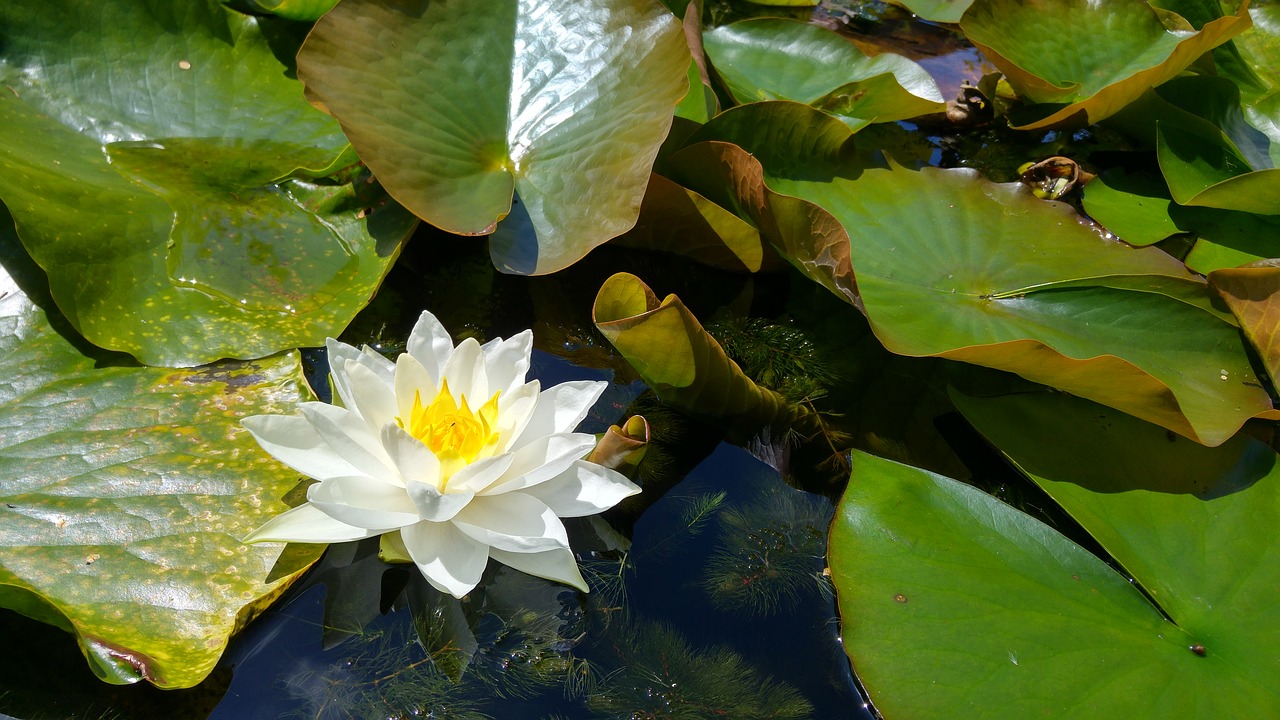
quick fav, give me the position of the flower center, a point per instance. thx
(455, 434)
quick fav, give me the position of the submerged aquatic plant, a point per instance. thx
(450, 453)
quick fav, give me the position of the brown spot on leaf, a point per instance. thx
(900, 598)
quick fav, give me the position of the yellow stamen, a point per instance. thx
(456, 435)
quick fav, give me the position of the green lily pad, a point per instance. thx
(776, 59)
(456, 105)
(683, 364)
(1084, 61)
(942, 11)
(948, 264)
(1210, 172)
(1138, 209)
(174, 201)
(126, 491)
(301, 10)
(950, 598)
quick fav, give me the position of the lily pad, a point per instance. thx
(776, 59)
(985, 273)
(1210, 172)
(1253, 294)
(172, 194)
(942, 11)
(301, 10)
(676, 357)
(948, 595)
(457, 105)
(1084, 61)
(126, 492)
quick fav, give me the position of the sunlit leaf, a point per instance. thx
(1208, 171)
(456, 105)
(302, 10)
(170, 192)
(127, 490)
(948, 595)
(1084, 61)
(943, 11)
(1253, 294)
(776, 59)
(948, 264)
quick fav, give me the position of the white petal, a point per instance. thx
(293, 441)
(558, 565)
(515, 522)
(451, 561)
(480, 474)
(436, 506)
(413, 461)
(515, 409)
(307, 524)
(584, 489)
(466, 373)
(340, 354)
(349, 436)
(507, 361)
(430, 344)
(364, 503)
(371, 396)
(542, 460)
(560, 409)
(413, 379)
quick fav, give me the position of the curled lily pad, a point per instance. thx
(676, 357)
(1208, 171)
(1083, 61)
(457, 105)
(1253, 294)
(126, 492)
(173, 195)
(776, 59)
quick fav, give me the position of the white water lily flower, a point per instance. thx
(451, 448)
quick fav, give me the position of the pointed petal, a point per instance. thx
(412, 460)
(560, 409)
(558, 565)
(480, 474)
(515, 409)
(363, 502)
(431, 345)
(514, 522)
(507, 361)
(293, 441)
(340, 354)
(307, 524)
(448, 559)
(371, 396)
(411, 378)
(542, 460)
(584, 489)
(466, 373)
(348, 434)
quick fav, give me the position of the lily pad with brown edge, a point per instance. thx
(458, 106)
(126, 492)
(985, 273)
(175, 194)
(1083, 61)
(946, 593)
(683, 364)
(1253, 294)
(777, 59)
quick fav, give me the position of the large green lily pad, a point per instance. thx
(1085, 60)
(948, 264)
(455, 105)
(954, 602)
(171, 191)
(776, 59)
(125, 492)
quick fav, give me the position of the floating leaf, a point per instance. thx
(1086, 60)
(947, 594)
(776, 59)
(942, 11)
(170, 193)
(985, 273)
(126, 492)
(1253, 294)
(301, 10)
(684, 365)
(1210, 172)
(455, 105)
